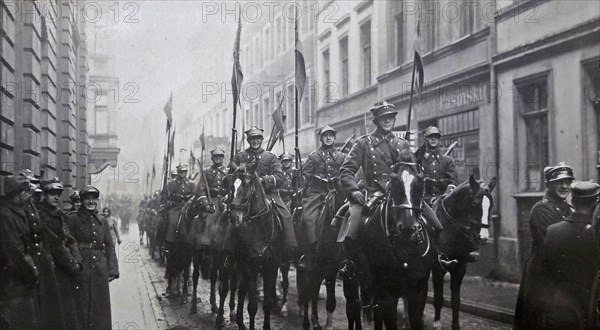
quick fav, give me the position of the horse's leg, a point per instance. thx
(353, 305)
(456, 278)
(186, 269)
(438, 294)
(252, 293)
(416, 306)
(233, 286)
(285, 284)
(330, 302)
(389, 307)
(242, 291)
(315, 307)
(223, 289)
(195, 277)
(214, 273)
(269, 284)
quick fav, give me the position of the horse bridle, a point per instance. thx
(463, 229)
(406, 206)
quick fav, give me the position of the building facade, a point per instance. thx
(517, 89)
(43, 110)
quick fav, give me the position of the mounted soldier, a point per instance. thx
(439, 169)
(286, 190)
(267, 166)
(322, 173)
(552, 209)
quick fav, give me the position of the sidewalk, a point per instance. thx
(482, 297)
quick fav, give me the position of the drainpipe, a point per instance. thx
(496, 216)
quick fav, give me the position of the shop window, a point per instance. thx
(344, 65)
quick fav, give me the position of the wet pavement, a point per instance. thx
(139, 301)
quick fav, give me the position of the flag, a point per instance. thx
(279, 117)
(169, 111)
(417, 46)
(172, 144)
(147, 180)
(153, 171)
(237, 77)
(300, 64)
(202, 142)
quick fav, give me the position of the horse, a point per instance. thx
(464, 213)
(327, 259)
(257, 236)
(396, 245)
(206, 240)
(179, 256)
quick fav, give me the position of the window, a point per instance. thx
(101, 120)
(257, 116)
(429, 24)
(532, 104)
(267, 45)
(395, 35)
(267, 110)
(365, 42)
(290, 113)
(326, 76)
(468, 17)
(305, 104)
(399, 40)
(258, 50)
(344, 65)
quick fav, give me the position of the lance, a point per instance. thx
(347, 143)
(450, 148)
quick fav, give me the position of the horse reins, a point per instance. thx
(459, 226)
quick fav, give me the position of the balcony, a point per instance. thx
(104, 152)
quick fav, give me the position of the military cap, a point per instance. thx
(584, 189)
(432, 130)
(52, 184)
(89, 190)
(383, 108)
(29, 175)
(254, 131)
(173, 172)
(286, 156)
(217, 152)
(75, 196)
(182, 168)
(327, 129)
(15, 184)
(559, 172)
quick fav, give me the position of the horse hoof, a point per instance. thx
(214, 309)
(437, 325)
(194, 310)
(455, 327)
(220, 321)
(318, 328)
(284, 311)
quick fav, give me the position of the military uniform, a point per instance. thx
(572, 259)
(176, 193)
(65, 254)
(532, 291)
(286, 190)
(208, 231)
(440, 169)
(99, 263)
(268, 167)
(19, 306)
(322, 172)
(376, 154)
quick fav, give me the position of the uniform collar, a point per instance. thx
(49, 209)
(88, 214)
(16, 209)
(558, 201)
(579, 218)
(377, 137)
(255, 152)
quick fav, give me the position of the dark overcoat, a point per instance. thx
(18, 275)
(533, 291)
(99, 261)
(66, 256)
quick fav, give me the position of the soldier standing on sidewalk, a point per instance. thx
(19, 308)
(63, 248)
(99, 261)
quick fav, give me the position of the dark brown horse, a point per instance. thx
(465, 214)
(397, 248)
(257, 236)
(327, 260)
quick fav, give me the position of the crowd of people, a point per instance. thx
(56, 262)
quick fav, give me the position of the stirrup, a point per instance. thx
(445, 263)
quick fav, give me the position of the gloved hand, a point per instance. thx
(210, 208)
(358, 197)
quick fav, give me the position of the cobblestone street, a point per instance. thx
(139, 294)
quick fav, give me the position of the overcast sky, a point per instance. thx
(160, 46)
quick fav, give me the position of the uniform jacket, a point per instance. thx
(18, 275)
(266, 165)
(438, 167)
(323, 164)
(572, 259)
(533, 291)
(66, 257)
(286, 190)
(377, 154)
(215, 176)
(99, 261)
(177, 189)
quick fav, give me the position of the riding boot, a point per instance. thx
(347, 268)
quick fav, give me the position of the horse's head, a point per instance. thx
(242, 194)
(471, 205)
(406, 189)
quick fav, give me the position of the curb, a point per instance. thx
(159, 313)
(479, 309)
